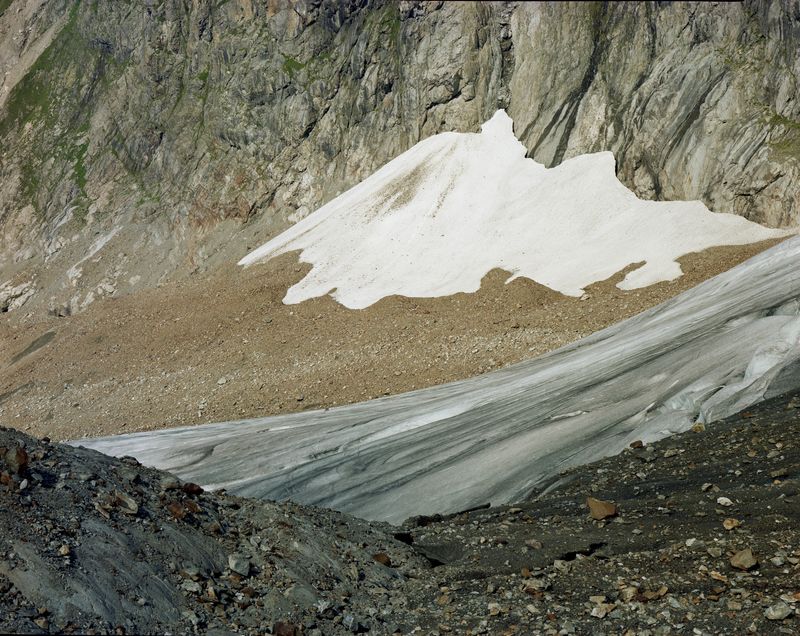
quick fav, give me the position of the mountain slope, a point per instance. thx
(175, 137)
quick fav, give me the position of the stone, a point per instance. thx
(602, 610)
(285, 629)
(599, 509)
(192, 489)
(353, 624)
(16, 459)
(176, 509)
(125, 503)
(240, 564)
(778, 611)
(730, 523)
(169, 482)
(190, 571)
(652, 595)
(192, 586)
(382, 558)
(538, 583)
(724, 501)
(744, 560)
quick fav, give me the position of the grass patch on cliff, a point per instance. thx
(788, 143)
(78, 161)
(33, 97)
(292, 66)
(53, 100)
(390, 20)
(4, 4)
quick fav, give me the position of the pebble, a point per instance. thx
(240, 564)
(744, 560)
(599, 509)
(778, 611)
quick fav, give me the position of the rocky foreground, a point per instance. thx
(695, 534)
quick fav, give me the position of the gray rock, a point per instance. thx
(778, 611)
(169, 482)
(239, 563)
(191, 586)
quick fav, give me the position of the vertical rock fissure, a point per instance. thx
(572, 103)
(574, 100)
(507, 60)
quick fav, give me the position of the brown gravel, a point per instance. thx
(225, 347)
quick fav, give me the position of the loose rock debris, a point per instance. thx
(103, 545)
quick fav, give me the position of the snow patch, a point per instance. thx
(436, 219)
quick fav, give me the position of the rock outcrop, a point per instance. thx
(146, 141)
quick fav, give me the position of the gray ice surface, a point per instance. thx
(706, 354)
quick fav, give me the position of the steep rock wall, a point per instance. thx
(143, 140)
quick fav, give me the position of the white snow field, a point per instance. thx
(708, 353)
(436, 219)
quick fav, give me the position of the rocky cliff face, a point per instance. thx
(142, 140)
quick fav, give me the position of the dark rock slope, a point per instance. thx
(695, 534)
(141, 140)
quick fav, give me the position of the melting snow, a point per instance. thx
(436, 219)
